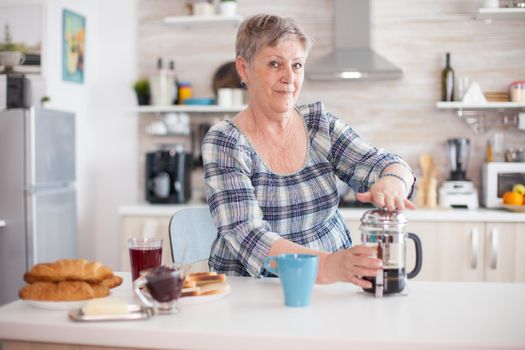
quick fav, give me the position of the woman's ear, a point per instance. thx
(242, 68)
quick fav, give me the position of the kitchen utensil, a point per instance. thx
(297, 273)
(491, 4)
(160, 185)
(228, 8)
(426, 195)
(459, 153)
(384, 229)
(517, 91)
(178, 165)
(458, 191)
(515, 154)
(225, 97)
(10, 59)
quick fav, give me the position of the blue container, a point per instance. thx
(199, 101)
(297, 273)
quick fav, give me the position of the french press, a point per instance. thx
(384, 229)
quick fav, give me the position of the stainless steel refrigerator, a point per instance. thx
(37, 192)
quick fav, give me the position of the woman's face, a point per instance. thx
(276, 75)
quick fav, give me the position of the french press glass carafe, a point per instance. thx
(384, 229)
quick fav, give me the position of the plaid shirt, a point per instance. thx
(252, 206)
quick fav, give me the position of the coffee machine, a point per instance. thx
(458, 191)
(168, 175)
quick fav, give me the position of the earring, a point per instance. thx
(243, 84)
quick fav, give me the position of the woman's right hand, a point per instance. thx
(350, 265)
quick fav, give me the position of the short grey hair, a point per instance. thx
(259, 31)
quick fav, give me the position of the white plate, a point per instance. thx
(516, 208)
(57, 305)
(203, 298)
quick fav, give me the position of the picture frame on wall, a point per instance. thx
(73, 46)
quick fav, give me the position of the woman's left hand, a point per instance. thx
(388, 192)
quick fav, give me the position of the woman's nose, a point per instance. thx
(287, 76)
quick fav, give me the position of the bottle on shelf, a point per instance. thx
(161, 86)
(173, 75)
(447, 81)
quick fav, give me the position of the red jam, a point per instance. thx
(164, 284)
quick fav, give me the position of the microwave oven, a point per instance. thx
(498, 178)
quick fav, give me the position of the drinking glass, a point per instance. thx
(144, 254)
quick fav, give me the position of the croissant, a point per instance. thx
(112, 282)
(68, 270)
(63, 291)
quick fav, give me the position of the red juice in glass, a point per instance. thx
(144, 254)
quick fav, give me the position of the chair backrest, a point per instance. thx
(192, 228)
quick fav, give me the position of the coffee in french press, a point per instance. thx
(384, 229)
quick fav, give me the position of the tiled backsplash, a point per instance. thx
(397, 115)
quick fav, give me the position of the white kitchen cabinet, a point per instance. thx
(135, 226)
(505, 252)
(466, 251)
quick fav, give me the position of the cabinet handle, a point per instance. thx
(474, 238)
(494, 245)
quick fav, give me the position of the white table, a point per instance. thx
(252, 316)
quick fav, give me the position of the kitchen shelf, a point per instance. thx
(501, 13)
(488, 105)
(483, 116)
(203, 20)
(189, 109)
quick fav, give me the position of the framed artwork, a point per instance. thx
(73, 46)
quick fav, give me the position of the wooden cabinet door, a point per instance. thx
(135, 226)
(505, 252)
(451, 251)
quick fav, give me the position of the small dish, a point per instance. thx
(135, 312)
(515, 208)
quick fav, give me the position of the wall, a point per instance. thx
(106, 132)
(397, 115)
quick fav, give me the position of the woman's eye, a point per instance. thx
(297, 66)
(274, 64)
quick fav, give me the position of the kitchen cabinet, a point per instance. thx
(505, 252)
(458, 245)
(466, 251)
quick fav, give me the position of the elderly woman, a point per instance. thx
(271, 172)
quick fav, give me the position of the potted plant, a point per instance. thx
(228, 8)
(11, 54)
(142, 90)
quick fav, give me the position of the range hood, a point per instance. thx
(352, 57)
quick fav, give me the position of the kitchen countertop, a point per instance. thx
(449, 215)
(253, 316)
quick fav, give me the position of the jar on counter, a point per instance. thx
(184, 91)
(517, 91)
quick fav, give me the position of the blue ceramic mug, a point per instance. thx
(297, 273)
